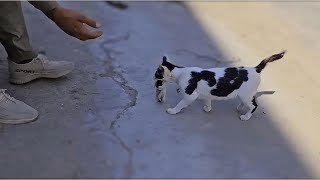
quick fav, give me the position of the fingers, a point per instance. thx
(89, 21)
(85, 34)
(92, 35)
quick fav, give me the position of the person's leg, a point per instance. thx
(14, 38)
(24, 64)
(13, 33)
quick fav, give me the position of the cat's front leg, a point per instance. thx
(186, 101)
(182, 104)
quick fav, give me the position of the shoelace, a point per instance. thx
(7, 95)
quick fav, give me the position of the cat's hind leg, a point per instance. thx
(207, 105)
(252, 105)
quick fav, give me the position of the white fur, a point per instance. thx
(246, 92)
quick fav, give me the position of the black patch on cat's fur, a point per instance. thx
(198, 76)
(209, 77)
(159, 73)
(193, 82)
(159, 83)
(167, 64)
(255, 104)
(232, 80)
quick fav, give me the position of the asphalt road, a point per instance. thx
(102, 120)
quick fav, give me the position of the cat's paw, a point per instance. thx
(207, 108)
(245, 117)
(172, 111)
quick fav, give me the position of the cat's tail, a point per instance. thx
(272, 58)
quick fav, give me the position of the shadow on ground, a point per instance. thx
(103, 121)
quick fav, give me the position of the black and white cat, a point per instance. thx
(212, 84)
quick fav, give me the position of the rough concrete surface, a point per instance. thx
(102, 120)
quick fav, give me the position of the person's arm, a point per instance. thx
(70, 21)
(44, 6)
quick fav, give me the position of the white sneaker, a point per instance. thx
(39, 67)
(13, 111)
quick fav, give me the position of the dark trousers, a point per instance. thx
(13, 32)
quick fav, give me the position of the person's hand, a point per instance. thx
(72, 23)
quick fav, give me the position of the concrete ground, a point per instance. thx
(102, 121)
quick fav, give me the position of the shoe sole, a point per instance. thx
(20, 121)
(22, 78)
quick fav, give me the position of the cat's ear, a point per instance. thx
(164, 59)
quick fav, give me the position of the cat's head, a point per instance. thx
(163, 72)
(162, 75)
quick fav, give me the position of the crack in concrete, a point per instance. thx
(117, 77)
(132, 93)
(207, 57)
(129, 167)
